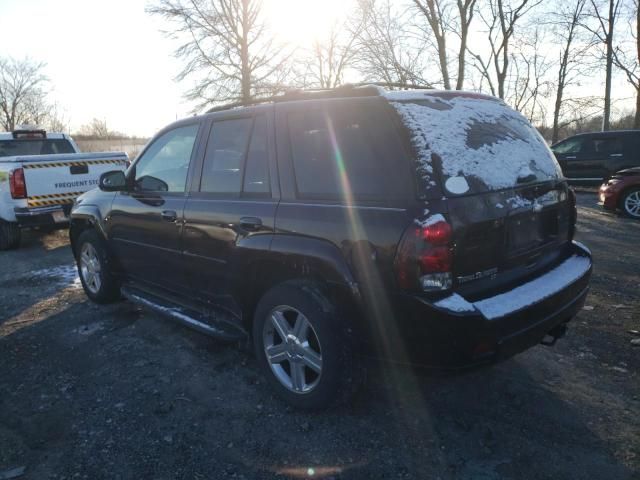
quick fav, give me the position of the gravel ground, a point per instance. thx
(115, 392)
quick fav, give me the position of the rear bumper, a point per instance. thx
(456, 333)
(54, 215)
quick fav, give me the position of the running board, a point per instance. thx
(226, 331)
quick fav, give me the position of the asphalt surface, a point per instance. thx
(115, 392)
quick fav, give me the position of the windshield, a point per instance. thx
(10, 148)
(475, 144)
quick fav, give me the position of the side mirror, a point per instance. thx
(148, 183)
(113, 181)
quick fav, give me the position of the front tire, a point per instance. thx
(303, 347)
(9, 235)
(93, 264)
(630, 203)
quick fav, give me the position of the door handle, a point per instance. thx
(615, 155)
(571, 158)
(250, 223)
(169, 215)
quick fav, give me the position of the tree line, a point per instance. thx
(24, 100)
(537, 55)
(534, 54)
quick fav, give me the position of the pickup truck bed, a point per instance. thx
(51, 183)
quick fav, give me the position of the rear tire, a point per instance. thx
(9, 235)
(630, 203)
(94, 268)
(311, 363)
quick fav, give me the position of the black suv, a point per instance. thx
(431, 228)
(593, 157)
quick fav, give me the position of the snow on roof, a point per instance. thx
(476, 137)
(405, 95)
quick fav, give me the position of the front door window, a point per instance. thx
(164, 165)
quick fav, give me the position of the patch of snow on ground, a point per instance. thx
(443, 129)
(66, 275)
(535, 291)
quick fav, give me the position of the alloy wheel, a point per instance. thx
(90, 268)
(292, 349)
(632, 204)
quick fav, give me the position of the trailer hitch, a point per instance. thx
(554, 334)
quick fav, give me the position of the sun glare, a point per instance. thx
(301, 21)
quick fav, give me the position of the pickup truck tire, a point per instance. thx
(9, 235)
(94, 268)
(303, 346)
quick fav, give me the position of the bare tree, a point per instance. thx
(385, 50)
(630, 64)
(96, 128)
(22, 92)
(57, 121)
(227, 48)
(565, 21)
(500, 18)
(605, 17)
(529, 84)
(331, 56)
(442, 24)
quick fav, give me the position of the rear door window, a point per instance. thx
(339, 154)
(256, 174)
(608, 145)
(236, 159)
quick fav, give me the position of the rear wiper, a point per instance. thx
(529, 178)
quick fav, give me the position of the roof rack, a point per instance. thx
(367, 89)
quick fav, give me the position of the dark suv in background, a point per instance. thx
(431, 228)
(594, 157)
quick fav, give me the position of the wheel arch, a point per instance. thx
(312, 261)
(85, 217)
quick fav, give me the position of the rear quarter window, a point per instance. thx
(347, 153)
(474, 144)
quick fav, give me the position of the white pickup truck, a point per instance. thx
(40, 176)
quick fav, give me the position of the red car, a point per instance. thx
(622, 191)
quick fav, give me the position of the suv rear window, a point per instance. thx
(11, 148)
(474, 143)
(345, 153)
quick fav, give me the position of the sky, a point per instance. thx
(110, 60)
(105, 59)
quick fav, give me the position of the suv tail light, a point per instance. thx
(573, 213)
(17, 184)
(424, 258)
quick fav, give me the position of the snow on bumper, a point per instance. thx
(528, 294)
